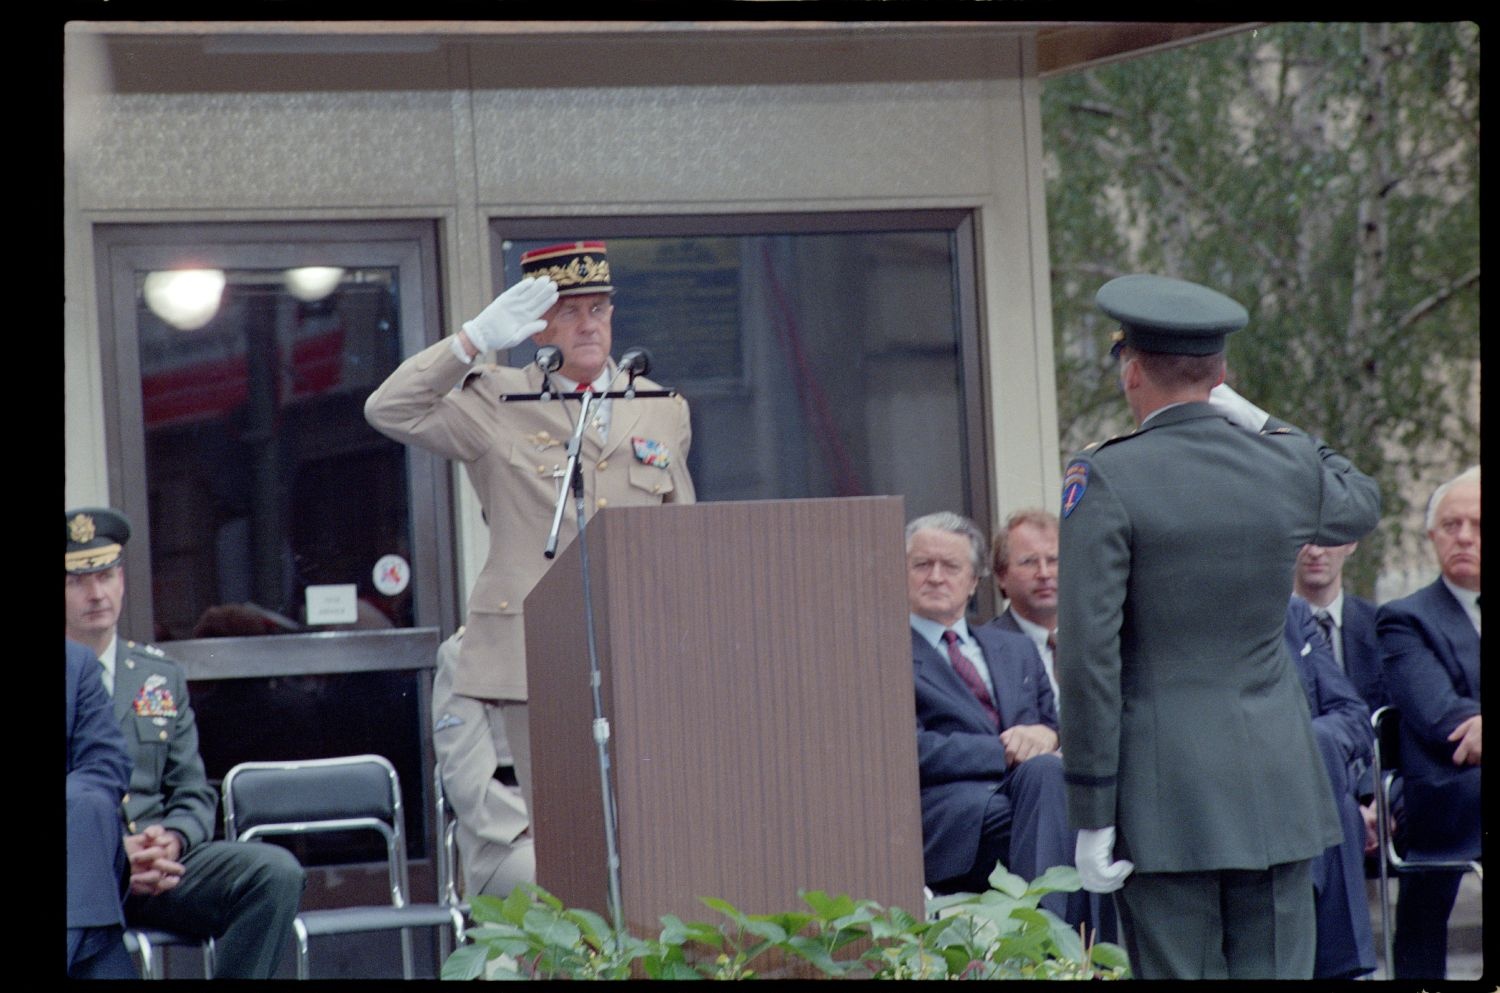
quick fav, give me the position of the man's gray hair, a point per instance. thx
(946, 520)
(1469, 475)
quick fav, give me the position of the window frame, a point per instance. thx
(960, 223)
(122, 249)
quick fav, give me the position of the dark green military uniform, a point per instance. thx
(1187, 728)
(242, 894)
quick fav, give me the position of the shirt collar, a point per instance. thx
(1467, 599)
(600, 384)
(1031, 629)
(1335, 610)
(1149, 417)
(932, 632)
(107, 659)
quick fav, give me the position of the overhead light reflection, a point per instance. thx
(313, 282)
(187, 299)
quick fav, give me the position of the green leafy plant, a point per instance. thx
(1003, 933)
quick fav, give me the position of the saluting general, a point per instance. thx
(1188, 748)
(633, 452)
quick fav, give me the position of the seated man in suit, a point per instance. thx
(1429, 642)
(98, 773)
(1347, 621)
(990, 772)
(1348, 624)
(1341, 725)
(1024, 556)
(243, 894)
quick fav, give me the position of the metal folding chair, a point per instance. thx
(447, 863)
(145, 944)
(1387, 767)
(356, 792)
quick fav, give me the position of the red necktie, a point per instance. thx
(970, 676)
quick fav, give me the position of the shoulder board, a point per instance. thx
(1278, 431)
(153, 650)
(1108, 441)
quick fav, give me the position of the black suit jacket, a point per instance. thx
(98, 768)
(1431, 656)
(960, 759)
(1362, 651)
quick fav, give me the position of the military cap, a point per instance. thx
(577, 267)
(1161, 314)
(96, 539)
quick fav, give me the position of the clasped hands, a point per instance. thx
(1027, 741)
(154, 865)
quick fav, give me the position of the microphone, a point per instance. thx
(549, 358)
(636, 361)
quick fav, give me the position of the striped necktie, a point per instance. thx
(970, 676)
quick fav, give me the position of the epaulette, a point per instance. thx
(1108, 441)
(1282, 430)
(153, 650)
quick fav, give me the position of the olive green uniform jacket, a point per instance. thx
(168, 785)
(1185, 725)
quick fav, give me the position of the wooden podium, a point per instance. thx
(756, 675)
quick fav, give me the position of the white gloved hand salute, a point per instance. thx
(1094, 858)
(510, 319)
(1235, 407)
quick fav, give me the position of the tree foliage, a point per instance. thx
(1327, 177)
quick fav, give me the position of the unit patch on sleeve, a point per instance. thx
(1075, 481)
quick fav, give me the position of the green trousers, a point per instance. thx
(1226, 924)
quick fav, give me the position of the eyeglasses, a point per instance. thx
(1034, 562)
(573, 313)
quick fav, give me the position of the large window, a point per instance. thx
(263, 502)
(822, 354)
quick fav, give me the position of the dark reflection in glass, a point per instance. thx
(272, 719)
(263, 476)
(817, 364)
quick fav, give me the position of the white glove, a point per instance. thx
(1094, 858)
(513, 316)
(1239, 410)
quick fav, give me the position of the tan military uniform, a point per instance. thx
(511, 452)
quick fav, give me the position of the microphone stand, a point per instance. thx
(573, 481)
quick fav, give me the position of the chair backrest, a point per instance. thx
(1387, 722)
(352, 792)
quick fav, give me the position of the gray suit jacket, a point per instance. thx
(167, 783)
(1187, 727)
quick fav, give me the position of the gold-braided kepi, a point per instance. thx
(96, 539)
(577, 267)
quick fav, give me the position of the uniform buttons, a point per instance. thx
(656, 488)
(601, 502)
(541, 469)
(504, 604)
(603, 464)
(164, 736)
